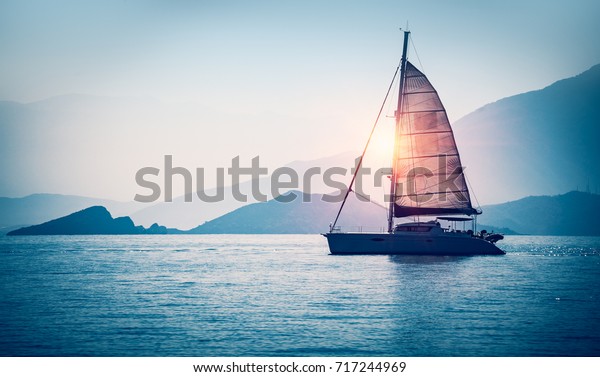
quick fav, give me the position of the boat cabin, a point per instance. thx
(434, 227)
(419, 227)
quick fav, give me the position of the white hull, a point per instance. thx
(410, 244)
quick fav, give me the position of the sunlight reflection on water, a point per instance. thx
(284, 295)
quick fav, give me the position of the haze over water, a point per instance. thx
(284, 295)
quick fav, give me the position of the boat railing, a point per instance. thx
(358, 229)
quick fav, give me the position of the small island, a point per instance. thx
(92, 220)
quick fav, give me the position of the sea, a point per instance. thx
(285, 295)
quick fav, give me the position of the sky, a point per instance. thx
(308, 76)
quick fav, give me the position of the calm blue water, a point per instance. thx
(283, 295)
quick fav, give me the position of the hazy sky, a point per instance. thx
(325, 64)
(248, 53)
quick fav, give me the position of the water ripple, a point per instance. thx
(284, 295)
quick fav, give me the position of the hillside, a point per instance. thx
(93, 220)
(295, 216)
(537, 143)
(574, 213)
(39, 208)
(186, 215)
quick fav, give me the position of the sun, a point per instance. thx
(381, 147)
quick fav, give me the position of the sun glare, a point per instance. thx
(382, 145)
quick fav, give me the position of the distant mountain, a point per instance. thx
(543, 142)
(574, 213)
(296, 216)
(497, 229)
(93, 220)
(185, 215)
(39, 208)
(537, 143)
(7, 229)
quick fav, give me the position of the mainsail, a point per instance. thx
(428, 174)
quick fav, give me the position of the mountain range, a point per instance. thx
(537, 143)
(185, 215)
(542, 142)
(573, 213)
(294, 212)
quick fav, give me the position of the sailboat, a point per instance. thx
(427, 180)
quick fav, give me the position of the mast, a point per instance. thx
(397, 133)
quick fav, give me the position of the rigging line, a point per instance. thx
(394, 90)
(416, 53)
(369, 200)
(359, 164)
(472, 191)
